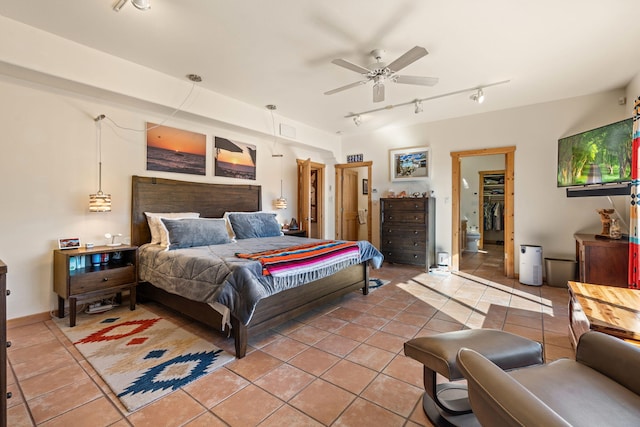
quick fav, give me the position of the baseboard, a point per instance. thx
(29, 320)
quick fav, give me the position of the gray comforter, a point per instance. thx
(213, 274)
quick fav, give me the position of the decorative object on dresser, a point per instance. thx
(88, 274)
(607, 309)
(140, 355)
(602, 261)
(407, 230)
(4, 344)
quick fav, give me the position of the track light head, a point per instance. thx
(418, 108)
(141, 4)
(357, 120)
(478, 96)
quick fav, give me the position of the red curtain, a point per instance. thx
(634, 216)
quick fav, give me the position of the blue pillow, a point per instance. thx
(189, 232)
(247, 225)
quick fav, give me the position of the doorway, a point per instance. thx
(353, 201)
(311, 198)
(508, 213)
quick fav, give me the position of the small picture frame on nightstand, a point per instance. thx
(69, 243)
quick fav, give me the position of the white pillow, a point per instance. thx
(159, 234)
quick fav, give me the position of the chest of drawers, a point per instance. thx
(407, 230)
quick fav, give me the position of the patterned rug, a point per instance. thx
(141, 356)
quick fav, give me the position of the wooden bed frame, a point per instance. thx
(212, 201)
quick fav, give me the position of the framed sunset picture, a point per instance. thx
(176, 150)
(234, 159)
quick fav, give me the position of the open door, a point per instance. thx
(348, 218)
(311, 198)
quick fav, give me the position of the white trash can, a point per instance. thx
(531, 265)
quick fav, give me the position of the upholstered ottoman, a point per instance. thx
(448, 403)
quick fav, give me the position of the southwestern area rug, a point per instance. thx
(140, 355)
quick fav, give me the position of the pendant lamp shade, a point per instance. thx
(99, 202)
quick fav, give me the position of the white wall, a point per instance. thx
(543, 214)
(48, 168)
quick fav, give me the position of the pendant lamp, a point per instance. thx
(99, 202)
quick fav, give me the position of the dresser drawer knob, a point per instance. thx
(390, 217)
(8, 292)
(415, 231)
(8, 344)
(9, 394)
(415, 243)
(105, 279)
(415, 256)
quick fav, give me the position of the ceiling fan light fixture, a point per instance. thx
(142, 4)
(478, 96)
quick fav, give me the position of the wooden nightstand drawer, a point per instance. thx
(101, 279)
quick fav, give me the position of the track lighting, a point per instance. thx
(357, 120)
(478, 96)
(418, 108)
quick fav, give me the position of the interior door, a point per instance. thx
(311, 197)
(350, 205)
(342, 187)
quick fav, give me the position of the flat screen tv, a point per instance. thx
(597, 156)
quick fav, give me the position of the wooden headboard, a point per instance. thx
(167, 195)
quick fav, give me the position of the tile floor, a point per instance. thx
(342, 365)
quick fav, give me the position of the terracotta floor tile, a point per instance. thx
(254, 365)
(50, 405)
(322, 401)
(531, 333)
(308, 334)
(355, 332)
(18, 416)
(248, 407)
(337, 345)
(206, 420)
(314, 361)
(350, 376)
(328, 323)
(364, 413)
(284, 348)
(285, 381)
(370, 321)
(52, 380)
(405, 369)
(401, 329)
(97, 413)
(216, 387)
(385, 341)
(26, 336)
(174, 409)
(16, 395)
(345, 313)
(371, 357)
(289, 416)
(37, 359)
(392, 394)
(443, 325)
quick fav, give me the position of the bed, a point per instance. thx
(213, 201)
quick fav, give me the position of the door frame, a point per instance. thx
(339, 168)
(509, 167)
(304, 191)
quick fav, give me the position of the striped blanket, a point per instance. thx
(304, 258)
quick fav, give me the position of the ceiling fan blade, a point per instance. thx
(351, 66)
(409, 57)
(416, 80)
(349, 86)
(378, 92)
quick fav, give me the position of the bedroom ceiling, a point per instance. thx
(279, 52)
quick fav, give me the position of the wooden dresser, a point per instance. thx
(602, 261)
(3, 345)
(407, 230)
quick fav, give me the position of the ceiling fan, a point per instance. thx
(379, 72)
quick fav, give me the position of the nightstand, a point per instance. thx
(296, 233)
(77, 278)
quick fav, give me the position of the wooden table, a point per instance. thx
(608, 309)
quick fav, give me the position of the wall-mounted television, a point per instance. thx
(597, 158)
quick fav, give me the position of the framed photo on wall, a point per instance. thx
(365, 186)
(409, 164)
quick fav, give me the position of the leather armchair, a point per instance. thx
(601, 387)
